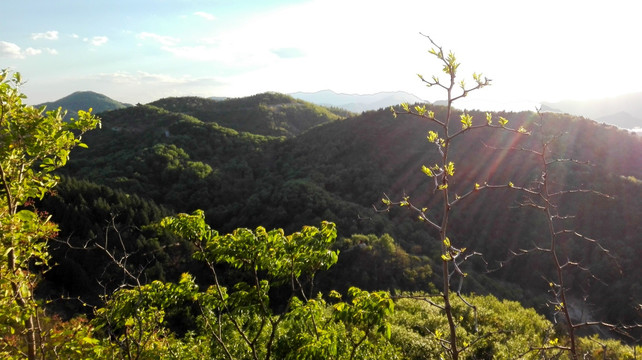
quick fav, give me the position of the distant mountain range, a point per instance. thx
(357, 102)
(623, 111)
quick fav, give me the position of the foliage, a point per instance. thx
(271, 114)
(91, 216)
(443, 175)
(390, 267)
(337, 170)
(240, 322)
(491, 329)
(32, 144)
(255, 296)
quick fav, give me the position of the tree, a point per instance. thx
(246, 315)
(33, 143)
(547, 195)
(443, 172)
(541, 193)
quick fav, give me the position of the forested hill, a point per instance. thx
(271, 114)
(274, 161)
(83, 100)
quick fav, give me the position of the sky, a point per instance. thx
(138, 51)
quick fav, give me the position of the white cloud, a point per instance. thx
(13, 51)
(51, 51)
(206, 16)
(144, 86)
(162, 39)
(10, 50)
(31, 51)
(48, 35)
(143, 77)
(97, 40)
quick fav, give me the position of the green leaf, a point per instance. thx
(450, 169)
(466, 121)
(9, 249)
(26, 216)
(432, 136)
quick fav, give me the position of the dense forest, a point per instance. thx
(365, 281)
(339, 170)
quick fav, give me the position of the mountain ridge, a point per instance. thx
(83, 100)
(270, 113)
(623, 111)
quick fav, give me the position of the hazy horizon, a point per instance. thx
(142, 51)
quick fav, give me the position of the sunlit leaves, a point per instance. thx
(366, 310)
(405, 201)
(439, 54)
(426, 170)
(489, 118)
(503, 121)
(478, 78)
(431, 115)
(432, 136)
(466, 121)
(33, 143)
(281, 256)
(450, 169)
(451, 65)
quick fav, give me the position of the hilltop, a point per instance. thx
(83, 100)
(270, 114)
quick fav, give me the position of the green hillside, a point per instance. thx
(337, 171)
(269, 114)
